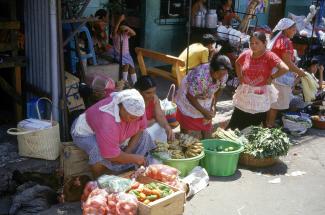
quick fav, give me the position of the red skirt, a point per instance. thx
(192, 124)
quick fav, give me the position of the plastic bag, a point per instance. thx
(169, 106)
(163, 173)
(296, 123)
(127, 204)
(96, 203)
(114, 184)
(197, 180)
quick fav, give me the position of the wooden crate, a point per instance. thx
(171, 205)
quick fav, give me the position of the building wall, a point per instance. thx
(169, 39)
(38, 71)
(300, 7)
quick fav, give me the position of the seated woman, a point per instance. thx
(254, 95)
(157, 123)
(226, 13)
(197, 96)
(313, 67)
(102, 129)
(297, 101)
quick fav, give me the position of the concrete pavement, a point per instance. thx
(249, 192)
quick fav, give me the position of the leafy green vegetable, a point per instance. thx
(266, 143)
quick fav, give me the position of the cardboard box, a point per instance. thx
(169, 205)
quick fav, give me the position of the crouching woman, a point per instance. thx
(112, 133)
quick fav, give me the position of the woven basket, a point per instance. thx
(44, 144)
(251, 161)
(317, 123)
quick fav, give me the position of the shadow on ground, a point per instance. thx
(280, 168)
(233, 177)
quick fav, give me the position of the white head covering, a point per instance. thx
(282, 25)
(131, 100)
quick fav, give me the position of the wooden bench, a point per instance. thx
(157, 56)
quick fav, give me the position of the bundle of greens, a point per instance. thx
(266, 143)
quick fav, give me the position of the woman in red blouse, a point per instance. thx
(282, 46)
(147, 87)
(254, 95)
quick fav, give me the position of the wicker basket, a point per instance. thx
(317, 123)
(44, 144)
(251, 161)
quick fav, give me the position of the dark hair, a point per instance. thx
(144, 83)
(259, 35)
(208, 39)
(308, 63)
(219, 62)
(101, 13)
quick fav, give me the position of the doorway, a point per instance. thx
(276, 12)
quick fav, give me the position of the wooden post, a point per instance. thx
(141, 63)
(178, 75)
(17, 72)
(19, 109)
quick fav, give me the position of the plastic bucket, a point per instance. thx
(220, 163)
(185, 165)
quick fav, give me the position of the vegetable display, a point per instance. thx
(163, 173)
(99, 202)
(147, 193)
(184, 147)
(265, 142)
(222, 149)
(96, 203)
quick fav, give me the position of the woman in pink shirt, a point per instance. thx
(105, 127)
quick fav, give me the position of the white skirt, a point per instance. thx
(255, 99)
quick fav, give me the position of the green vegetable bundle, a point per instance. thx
(266, 143)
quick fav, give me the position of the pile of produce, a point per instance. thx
(228, 134)
(265, 142)
(99, 202)
(163, 173)
(147, 193)
(185, 146)
(107, 196)
(222, 149)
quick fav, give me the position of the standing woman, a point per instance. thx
(197, 96)
(105, 127)
(156, 120)
(282, 46)
(254, 95)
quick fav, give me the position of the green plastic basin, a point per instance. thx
(220, 163)
(185, 165)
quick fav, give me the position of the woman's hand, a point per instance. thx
(208, 114)
(269, 80)
(139, 160)
(301, 73)
(170, 133)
